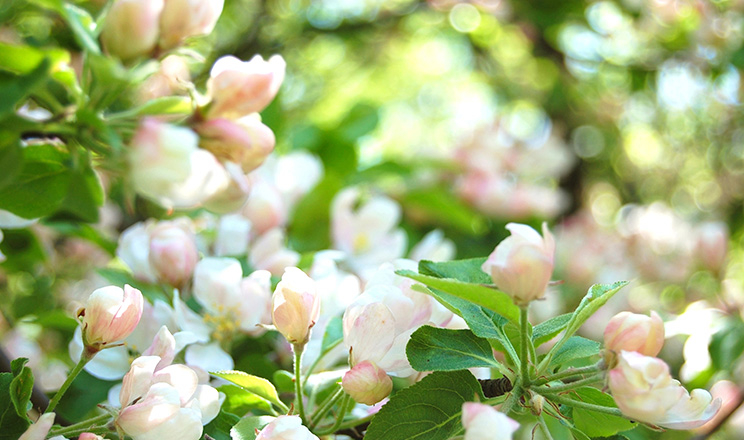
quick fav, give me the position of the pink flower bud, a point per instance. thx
(712, 245)
(367, 383)
(131, 28)
(187, 18)
(645, 391)
(633, 332)
(110, 315)
(286, 428)
(295, 306)
(484, 422)
(246, 142)
(521, 265)
(173, 252)
(240, 88)
(40, 429)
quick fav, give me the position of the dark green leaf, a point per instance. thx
(84, 196)
(41, 184)
(575, 347)
(11, 424)
(440, 207)
(727, 345)
(11, 162)
(596, 424)
(219, 428)
(246, 428)
(438, 349)
(427, 410)
(547, 330)
(14, 89)
(485, 296)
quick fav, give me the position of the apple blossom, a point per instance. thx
(172, 78)
(633, 332)
(233, 235)
(173, 252)
(187, 18)
(269, 252)
(164, 402)
(367, 383)
(134, 250)
(295, 306)
(433, 247)
(645, 391)
(482, 422)
(286, 428)
(522, 264)
(40, 429)
(110, 315)
(131, 28)
(239, 88)
(246, 141)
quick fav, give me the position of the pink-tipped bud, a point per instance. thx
(295, 306)
(645, 391)
(286, 428)
(633, 332)
(239, 88)
(187, 18)
(482, 421)
(110, 315)
(367, 383)
(131, 28)
(246, 142)
(173, 253)
(522, 264)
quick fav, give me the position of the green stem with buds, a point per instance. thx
(569, 386)
(583, 405)
(83, 426)
(571, 372)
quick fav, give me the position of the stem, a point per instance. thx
(339, 417)
(84, 359)
(356, 422)
(513, 398)
(297, 348)
(523, 336)
(92, 430)
(315, 363)
(583, 405)
(81, 425)
(321, 411)
(570, 372)
(569, 386)
(544, 426)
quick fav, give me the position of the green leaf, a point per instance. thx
(309, 227)
(283, 380)
(11, 162)
(21, 386)
(596, 424)
(597, 296)
(84, 196)
(11, 424)
(221, 426)
(41, 185)
(485, 296)
(468, 271)
(239, 401)
(547, 330)
(361, 119)
(246, 427)
(427, 410)
(14, 89)
(440, 207)
(254, 384)
(23, 60)
(83, 27)
(440, 349)
(575, 347)
(727, 345)
(334, 335)
(168, 105)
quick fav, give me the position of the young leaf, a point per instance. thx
(547, 330)
(83, 27)
(11, 424)
(427, 410)
(487, 297)
(221, 426)
(254, 384)
(439, 349)
(21, 387)
(333, 335)
(596, 424)
(575, 347)
(597, 296)
(468, 271)
(84, 196)
(245, 429)
(240, 401)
